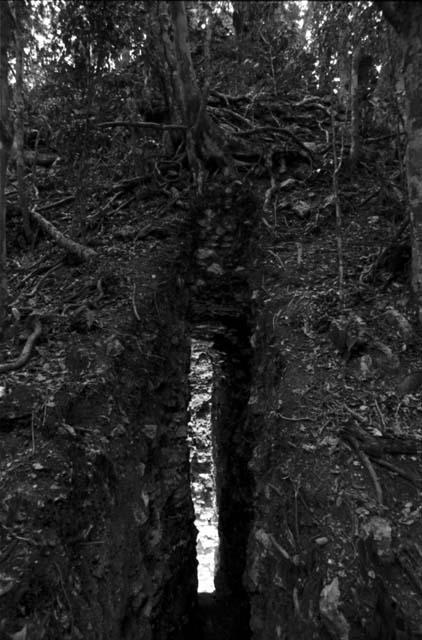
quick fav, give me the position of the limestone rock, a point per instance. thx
(334, 620)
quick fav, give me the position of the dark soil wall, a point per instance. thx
(233, 450)
(96, 518)
(96, 523)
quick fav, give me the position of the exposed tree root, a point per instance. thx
(25, 353)
(368, 466)
(83, 253)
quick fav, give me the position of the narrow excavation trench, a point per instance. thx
(202, 468)
(220, 479)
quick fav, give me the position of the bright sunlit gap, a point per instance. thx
(202, 464)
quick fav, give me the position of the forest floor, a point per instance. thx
(348, 427)
(352, 382)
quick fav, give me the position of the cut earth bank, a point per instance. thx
(317, 539)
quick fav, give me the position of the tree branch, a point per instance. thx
(141, 125)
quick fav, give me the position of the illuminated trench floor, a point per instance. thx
(202, 465)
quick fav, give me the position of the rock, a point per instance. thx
(380, 530)
(312, 146)
(321, 542)
(125, 233)
(365, 364)
(334, 620)
(204, 254)
(114, 347)
(403, 325)
(338, 334)
(302, 208)
(349, 335)
(264, 538)
(411, 383)
(383, 356)
(215, 269)
(150, 430)
(118, 431)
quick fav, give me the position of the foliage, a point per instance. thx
(96, 60)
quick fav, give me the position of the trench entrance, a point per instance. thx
(221, 485)
(222, 438)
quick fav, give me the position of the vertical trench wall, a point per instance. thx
(102, 509)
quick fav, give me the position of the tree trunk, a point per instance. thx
(6, 23)
(190, 91)
(413, 87)
(344, 70)
(355, 108)
(202, 144)
(19, 8)
(406, 18)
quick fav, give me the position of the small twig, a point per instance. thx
(135, 310)
(296, 488)
(354, 413)
(405, 564)
(65, 594)
(381, 417)
(270, 129)
(34, 270)
(368, 198)
(296, 603)
(44, 277)
(370, 469)
(126, 202)
(56, 203)
(296, 419)
(269, 194)
(110, 201)
(279, 548)
(32, 433)
(385, 137)
(276, 489)
(18, 537)
(277, 258)
(12, 546)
